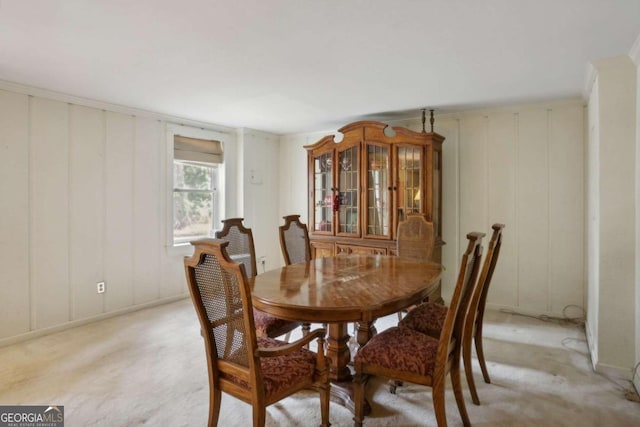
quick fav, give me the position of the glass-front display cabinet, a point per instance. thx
(362, 185)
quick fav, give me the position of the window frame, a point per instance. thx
(172, 129)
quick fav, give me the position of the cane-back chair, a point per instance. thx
(415, 240)
(429, 318)
(242, 250)
(256, 370)
(415, 237)
(403, 354)
(294, 240)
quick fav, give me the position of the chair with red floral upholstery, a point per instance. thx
(403, 354)
(242, 250)
(429, 317)
(256, 370)
(294, 242)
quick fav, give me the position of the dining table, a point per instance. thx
(340, 290)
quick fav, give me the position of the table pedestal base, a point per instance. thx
(340, 356)
(342, 394)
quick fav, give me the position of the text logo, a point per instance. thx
(32, 416)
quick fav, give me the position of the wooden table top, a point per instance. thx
(344, 288)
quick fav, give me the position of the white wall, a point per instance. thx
(260, 173)
(521, 165)
(293, 173)
(635, 56)
(84, 200)
(612, 151)
(593, 223)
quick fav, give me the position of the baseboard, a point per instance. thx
(605, 369)
(614, 371)
(524, 311)
(75, 323)
(591, 344)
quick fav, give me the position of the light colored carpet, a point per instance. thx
(148, 368)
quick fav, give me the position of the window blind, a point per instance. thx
(197, 150)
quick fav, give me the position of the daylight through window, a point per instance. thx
(194, 199)
(196, 172)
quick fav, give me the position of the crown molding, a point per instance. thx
(101, 105)
(591, 74)
(634, 53)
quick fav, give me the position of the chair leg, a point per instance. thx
(359, 381)
(215, 398)
(259, 416)
(457, 391)
(466, 357)
(325, 392)
(480, 352)
(438, 404)
(399, 316)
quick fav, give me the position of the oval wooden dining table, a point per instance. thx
(342, 289)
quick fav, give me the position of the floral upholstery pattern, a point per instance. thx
(265, 323)
(427, 318)
(281, 372)
(400, 349)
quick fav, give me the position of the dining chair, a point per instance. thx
(415, 240)
(256, 370)
(294, 240)
(404, 354)
(429, 317)
(242, 250)
(241, 247)
(415, 237)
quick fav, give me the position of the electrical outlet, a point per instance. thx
(263, 263)
(101, 287)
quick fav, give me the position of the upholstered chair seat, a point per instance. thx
(427, 318)
(395, 349)
(282, 373)
(270, 326)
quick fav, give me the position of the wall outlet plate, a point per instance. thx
(101, 287)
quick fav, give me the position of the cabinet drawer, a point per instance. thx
(361, 250)
(321, 249)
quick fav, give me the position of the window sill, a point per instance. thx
(180, 249)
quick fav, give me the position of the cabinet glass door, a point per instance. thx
(437, 192)
(323, 192)
(378, 191)
(409, 192)
(348, 182)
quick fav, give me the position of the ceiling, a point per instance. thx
(288, 66)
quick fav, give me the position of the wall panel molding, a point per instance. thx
(523, 165)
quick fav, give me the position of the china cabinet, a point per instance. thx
(363, 184)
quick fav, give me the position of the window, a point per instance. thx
(194, 200)
(196, 183)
